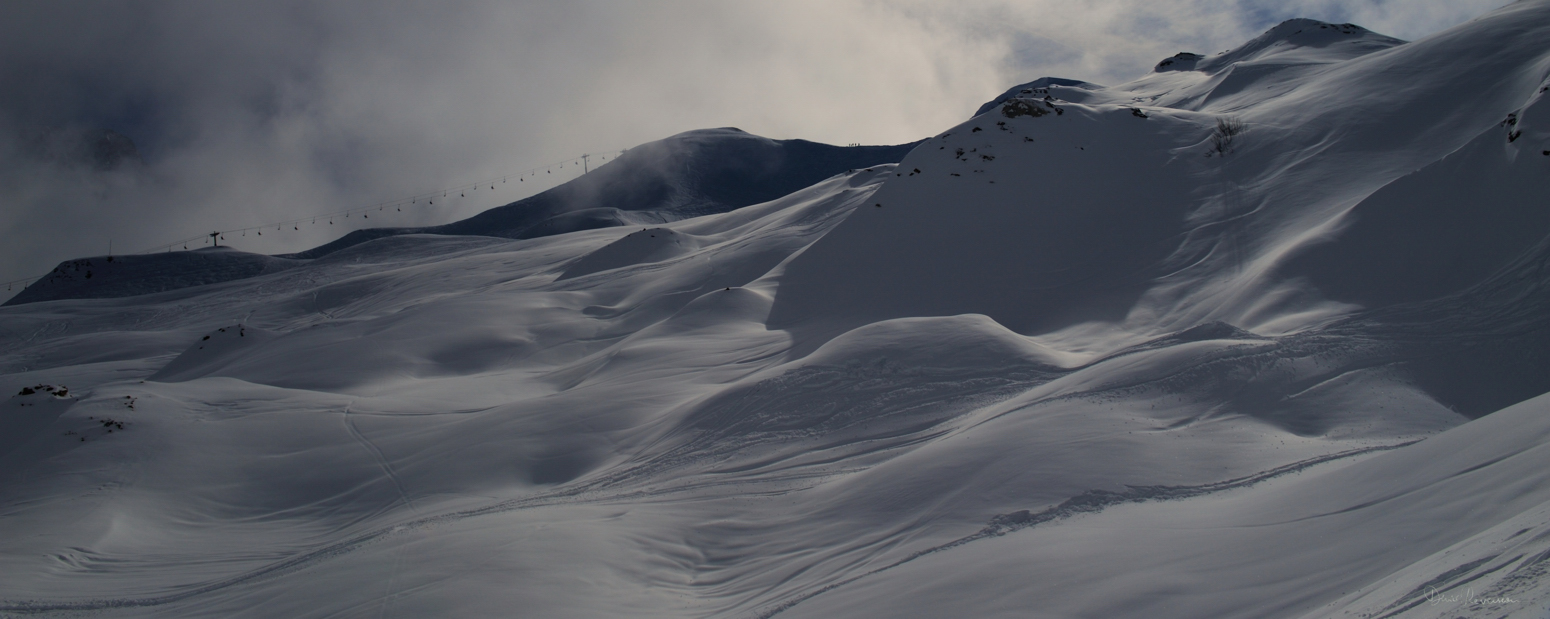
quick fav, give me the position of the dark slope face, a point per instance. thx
(106, 277)
(687, 175)
(1436, 231)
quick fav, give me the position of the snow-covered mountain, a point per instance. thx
(687, 175)
(1260, 334)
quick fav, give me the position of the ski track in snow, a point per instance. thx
(376, 454)
(1089, 502)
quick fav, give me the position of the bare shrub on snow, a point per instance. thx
(1227, 130)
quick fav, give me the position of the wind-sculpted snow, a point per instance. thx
(1261, 334)
(1446, 226)
(882, 387)
(1378, 504)
(648, 245)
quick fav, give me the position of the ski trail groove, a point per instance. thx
(382, 463)
(1092, 501)
(307, 559)
(389, 595)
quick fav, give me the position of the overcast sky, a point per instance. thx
(248, 112)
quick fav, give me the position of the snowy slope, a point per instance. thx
(1040, 186)
(1242, 549)
(1078, 369)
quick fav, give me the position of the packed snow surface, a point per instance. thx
(1259, 334)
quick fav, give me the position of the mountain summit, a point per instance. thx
(687, 175)
(1299, 40)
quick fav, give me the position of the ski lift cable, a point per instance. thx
(402, 201)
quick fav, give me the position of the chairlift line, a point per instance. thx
(296, 223)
